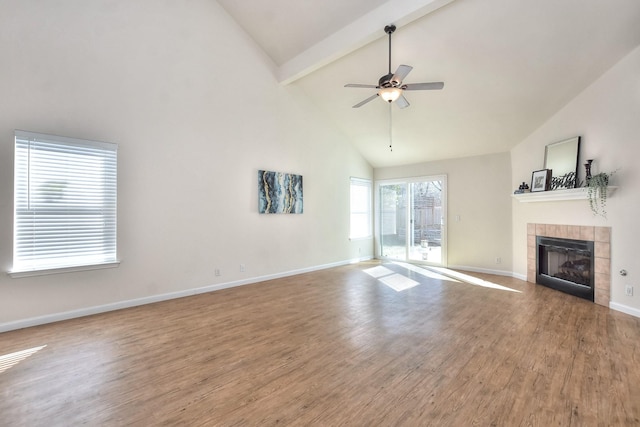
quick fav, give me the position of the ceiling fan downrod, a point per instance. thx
(390, 87)
(389, 29)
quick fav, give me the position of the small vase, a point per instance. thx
(587, 167)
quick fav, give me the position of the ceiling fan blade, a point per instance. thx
(402, 102)
(401, 73)
(424, 86)
(359, 85)
(360, 104)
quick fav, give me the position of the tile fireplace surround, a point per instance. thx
(601, 238)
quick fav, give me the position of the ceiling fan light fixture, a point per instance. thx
(390, 94)
(390, 87)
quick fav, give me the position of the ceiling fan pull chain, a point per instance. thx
(390, 130)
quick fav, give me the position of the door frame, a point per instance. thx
(377, 216)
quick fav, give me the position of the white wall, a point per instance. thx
(606, 115)
(196, 111)
(478, 192)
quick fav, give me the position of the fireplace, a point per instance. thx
(601, 253)
(566, 265)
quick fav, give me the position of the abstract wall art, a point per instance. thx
(279, 192)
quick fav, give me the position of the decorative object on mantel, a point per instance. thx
(523, 188)
(587, 170)
(562, 158)
(568, 180)
(597, 193)
(559, 196)
(540, 180)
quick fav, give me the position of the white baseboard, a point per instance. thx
(612, 305)
(624, 308)
(57, 317)
(481, 270)
(66, 315)
(361, 259)
(519, 276)
(489, 271)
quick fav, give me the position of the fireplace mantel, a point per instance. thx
(558, 195)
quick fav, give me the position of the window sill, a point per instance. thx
(16, 274)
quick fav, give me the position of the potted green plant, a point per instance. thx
(597, 193)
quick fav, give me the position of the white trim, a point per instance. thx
(28, 273)
(579, 193)
(360, 259)
(65, 204)
(26, 135)
(624, 308)
(445, 209)
(519, 276)
(612, 305)
(66, 315)
(368, 184)
(480, 270)
(88, 311)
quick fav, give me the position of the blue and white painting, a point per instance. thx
(279, 192)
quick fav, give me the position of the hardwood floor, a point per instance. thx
(334, 347)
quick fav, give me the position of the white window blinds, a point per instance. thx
(360, 208)
(64, 201)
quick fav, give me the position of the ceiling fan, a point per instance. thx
(390, 85)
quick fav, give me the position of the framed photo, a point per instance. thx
(540, 180)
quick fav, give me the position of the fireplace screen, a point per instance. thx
(566, 265)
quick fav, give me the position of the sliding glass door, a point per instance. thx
(411, 220)
(393, 224)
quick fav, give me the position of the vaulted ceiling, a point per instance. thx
(508, 65)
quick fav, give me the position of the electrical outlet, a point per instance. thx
(498, 260)
(216, 271)
(242, 268)
(628, 290)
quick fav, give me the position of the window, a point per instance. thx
(64, 203)
(360, 208)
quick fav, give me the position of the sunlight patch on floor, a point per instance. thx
(9, 360)
(378, 271)
(398, 282)
(473, 280)
(423, 271)
(390, 278)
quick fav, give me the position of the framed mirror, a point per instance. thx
(562, 158)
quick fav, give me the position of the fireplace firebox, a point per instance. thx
(566, 265)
